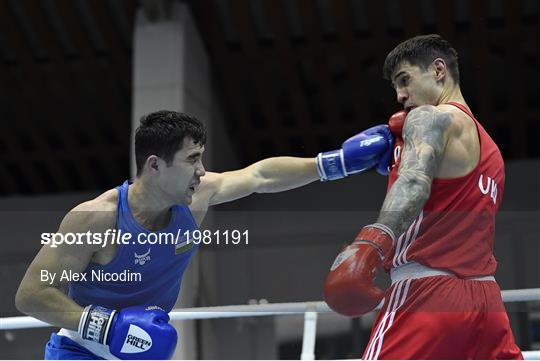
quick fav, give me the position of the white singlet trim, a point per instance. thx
(415, 270)
(94, 347)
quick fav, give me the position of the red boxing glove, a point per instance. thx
(349, 288)
(396, 122)
(388, 158)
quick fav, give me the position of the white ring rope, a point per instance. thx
(531, 355)
(270, 309)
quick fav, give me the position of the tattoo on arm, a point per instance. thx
(425, 135)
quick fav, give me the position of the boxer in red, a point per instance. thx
(436, 228)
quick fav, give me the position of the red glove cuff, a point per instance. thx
(378, 236)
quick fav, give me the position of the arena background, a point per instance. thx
(268, 77)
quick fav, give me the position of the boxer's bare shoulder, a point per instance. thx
(463, 148)
(216, 188)
(425, 134)
(98, 214)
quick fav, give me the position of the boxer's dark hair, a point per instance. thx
(421, 51)
(162, 134)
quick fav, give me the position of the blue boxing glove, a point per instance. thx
(372, 147)
(385, 159)
(133, 333)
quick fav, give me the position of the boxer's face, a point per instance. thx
(415, 86)
(181, 178)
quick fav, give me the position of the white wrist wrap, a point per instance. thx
(385, 229)
(95, 323)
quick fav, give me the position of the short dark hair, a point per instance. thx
(421, 51)
(162, 133)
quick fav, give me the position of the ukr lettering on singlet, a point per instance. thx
(490, 187)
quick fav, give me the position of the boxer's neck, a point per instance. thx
(148, 205)
(451, 93)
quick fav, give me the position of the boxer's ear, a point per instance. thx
(153, 163)
(439, 66)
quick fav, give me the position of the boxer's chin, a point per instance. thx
(188, 198)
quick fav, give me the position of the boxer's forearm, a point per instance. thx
(50, 305)
(283, 173)
(403, 203)
(270, 175)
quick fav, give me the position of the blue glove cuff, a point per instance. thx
(95, 323)
(385, 161)
(330, 165)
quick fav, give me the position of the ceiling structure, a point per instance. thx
(295, 76)
(65, 89)
(300, 76)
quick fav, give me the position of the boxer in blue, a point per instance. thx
(104, 319)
